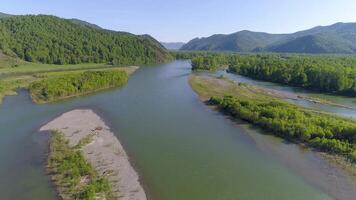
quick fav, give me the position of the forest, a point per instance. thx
(69, 85)
(332, 74)
(321, 131)
(52, 40)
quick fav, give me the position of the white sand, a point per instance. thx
(104, 152)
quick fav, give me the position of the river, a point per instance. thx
(349, 102)
(182, 149)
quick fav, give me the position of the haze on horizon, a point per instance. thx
(181, 21)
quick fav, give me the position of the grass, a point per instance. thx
(30, 68)
(220, 88)
(15, 73)
(207, 87)
(74, 177)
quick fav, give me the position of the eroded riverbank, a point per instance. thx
(102, 149)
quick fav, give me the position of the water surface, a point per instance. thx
(342, 100)
(182, 149)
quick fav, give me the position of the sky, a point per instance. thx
(183, 20)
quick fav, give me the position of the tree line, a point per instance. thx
(64, 86)
(334, 74)
(321, 131)
(327, 74)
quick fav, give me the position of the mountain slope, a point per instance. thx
(319, 43)
(49, 39)
(336, 38)
(242, 41)
(4, 15)
(84, 23)
(172, 45)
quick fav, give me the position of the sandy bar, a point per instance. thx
(104, 152)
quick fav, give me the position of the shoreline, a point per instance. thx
(104, 151)
(129, 71)
(337, 164)
(34, 76)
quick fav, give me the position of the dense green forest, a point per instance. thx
(52, 40)
(64, 86)
(322, 131)
(334, 74)
(327, 74)
(200, 63)
(68, 167)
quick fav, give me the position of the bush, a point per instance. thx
(324, 132)
(69, 167)
(52, 89)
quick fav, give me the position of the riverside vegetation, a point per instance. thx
(25, 73)
(333, 74)
(65, 86)
(74, 177)
(324, 132)
(31, 45)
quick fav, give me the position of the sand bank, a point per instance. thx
(104, 151)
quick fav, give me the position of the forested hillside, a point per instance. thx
(3, 15)
(336, 38)
(243, 41)
(49, 39)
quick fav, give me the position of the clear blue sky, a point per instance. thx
(182, 20)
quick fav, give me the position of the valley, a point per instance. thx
(88, 113)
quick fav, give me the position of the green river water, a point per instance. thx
(182, 149)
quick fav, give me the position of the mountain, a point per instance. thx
(76, 21)
(336, 38)
(84, 23)
(243, 41)
(4, 15)
(53, 40)
(173, 45)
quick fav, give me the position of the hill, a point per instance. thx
(53, 40)
(173, 45)
(243, 41)
(4, 15)
(84, 23)
(336, 38)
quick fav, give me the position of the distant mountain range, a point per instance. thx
(173, 45)
(336, 38)
(2, 15)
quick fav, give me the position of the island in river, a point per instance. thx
(87, 134)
